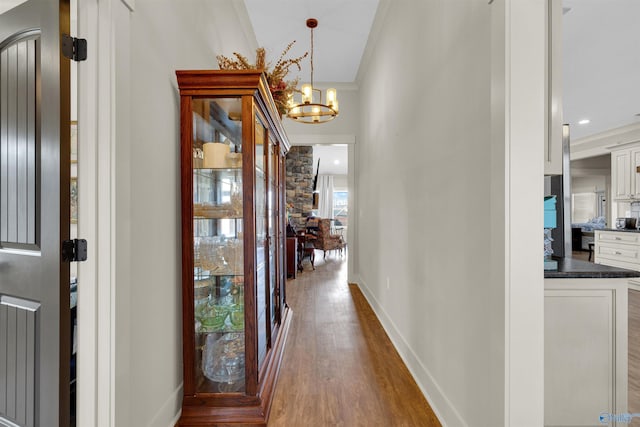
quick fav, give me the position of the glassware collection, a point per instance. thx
(218, 255)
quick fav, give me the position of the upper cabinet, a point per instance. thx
(625, 179)
(553, 83)
(234, 312)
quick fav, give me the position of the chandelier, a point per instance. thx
(311, 109)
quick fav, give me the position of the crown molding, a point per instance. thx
(604, 142)
(309, 139)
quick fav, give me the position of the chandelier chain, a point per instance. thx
(311, 57)
(310, 110)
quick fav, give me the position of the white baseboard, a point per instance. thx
(634, 284)
(441, 405)
(167, 415)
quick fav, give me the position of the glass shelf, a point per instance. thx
(219, 172)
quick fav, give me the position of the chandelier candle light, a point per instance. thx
(308, 111)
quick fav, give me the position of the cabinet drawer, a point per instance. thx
(617, 237)
(621, 252)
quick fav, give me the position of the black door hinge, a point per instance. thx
(73, 48)
(74, 250)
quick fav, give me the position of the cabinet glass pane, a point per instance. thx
(218, 245)
(261, 240)
(272, 224)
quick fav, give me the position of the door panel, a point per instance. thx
(18, 363)
(34, 215)
(18, 72)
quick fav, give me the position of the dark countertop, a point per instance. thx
(569, 268)
(623, 230)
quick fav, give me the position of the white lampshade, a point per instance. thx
(307, 93)
(332, 96)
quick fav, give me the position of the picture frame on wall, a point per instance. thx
(74, 201)
(74, 141)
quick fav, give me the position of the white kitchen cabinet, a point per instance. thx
(625, 179)
(618, 249)
(585, 350)
(553, 100)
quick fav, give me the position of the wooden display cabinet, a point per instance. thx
(235, 316)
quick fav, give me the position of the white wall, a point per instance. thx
(165, 36)
(437, 180)
(340, 182)
(589, 184)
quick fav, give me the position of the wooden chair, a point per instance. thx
(306, 249)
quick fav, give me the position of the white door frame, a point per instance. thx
(350, 141)
(96, 207)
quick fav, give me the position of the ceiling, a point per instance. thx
(601, 64)
(9, 4)
(334, 159)
(601, 50)
(339, 40)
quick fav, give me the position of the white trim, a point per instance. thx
(352, 218)
(309, 139)
(524, 28)
(87, 365)
(168, 410)
(621, 145)
(431, 390)
(95, 401)
(606, 134)
(603, 142)
(580, 172)
(518, 133)
(634, 284)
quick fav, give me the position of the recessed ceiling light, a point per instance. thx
(336, 162)
(584, 121)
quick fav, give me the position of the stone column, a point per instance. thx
(299, 183)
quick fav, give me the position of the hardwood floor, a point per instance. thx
(634, 355)
(582, 255)
(339, 366)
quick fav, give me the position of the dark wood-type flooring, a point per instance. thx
(339, 366)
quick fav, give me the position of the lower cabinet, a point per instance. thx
(585, 351)
(618, 249)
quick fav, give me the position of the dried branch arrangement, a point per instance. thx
(280, 88)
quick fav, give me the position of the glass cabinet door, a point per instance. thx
(262, 268)
(272, 222)
(218, 246)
